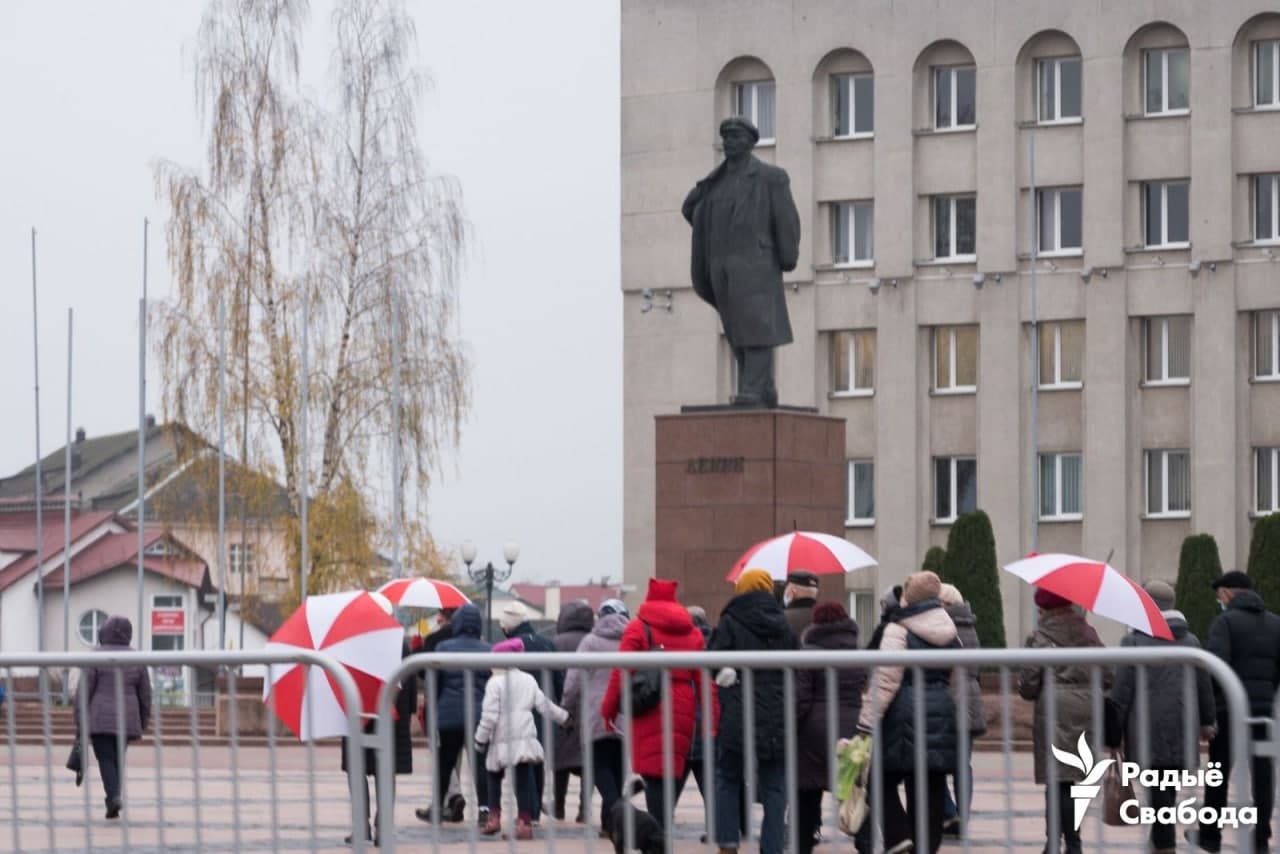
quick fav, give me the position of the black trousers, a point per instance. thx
(563, 777)
(655, 799)
(1066, 815)
(900, 824)
(1262, 777)
(808, 817)
(606, 773)
(106, 749)
(452, 743)
(1163, 835)
(755, 375)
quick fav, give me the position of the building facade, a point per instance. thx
(907, 128)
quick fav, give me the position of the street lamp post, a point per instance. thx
(487, 575)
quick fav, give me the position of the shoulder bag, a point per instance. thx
(646, 685)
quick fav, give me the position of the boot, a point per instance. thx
(493, 825)
(113, 807)
(524, 828)
(455, 809)
(482, 818)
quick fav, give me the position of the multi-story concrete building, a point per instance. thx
(906, 127)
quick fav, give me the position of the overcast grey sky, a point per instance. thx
(524, 112)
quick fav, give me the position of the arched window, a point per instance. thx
(1050, 79)
(746, 88)
(1256, 63)
(844, 96)
(1157, 64)
(946, 87)
(90, 624)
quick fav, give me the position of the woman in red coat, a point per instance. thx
(673, 630)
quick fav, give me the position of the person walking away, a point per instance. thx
(1158, 739)
(574, 624)
(606, 747)
(1247, 637)
(1060, 625)
(441, 630)
(799, 597)
(753, 620)
(890, 603)
(832, 629)
(954, 818)
(514, 622)
(510, 737)
(111, 716)
(694, 763)
(404, 709)
(921, 623)
(661, 622)
(451, 719)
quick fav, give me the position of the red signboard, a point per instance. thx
(168, 622)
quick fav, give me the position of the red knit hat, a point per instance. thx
(1048, 600)
(661, 590)
(829, 612)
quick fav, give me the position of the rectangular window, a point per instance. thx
(1061, 214)
(955, 358)
(1167, 80)
(756, 100)
(240, 558)
(1059, 89)
(852, 233)
(861, 509)
(1168, 483)
(166, 602)
(1266, 74)
(955, 227)
(1266, 345)
(1060, 486)
(1167, 344)
(955, 487)
(1062, 354)
(955, 97)
(853, 105)
(1266, 204)
(853, 361)
(1165, 214)
(1266, 481)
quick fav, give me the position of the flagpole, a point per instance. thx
(395, 435)
(66, 509)
(142, 430)
(35, 343)
(304, 487)
(222, 480)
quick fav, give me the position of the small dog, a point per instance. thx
(648, 836)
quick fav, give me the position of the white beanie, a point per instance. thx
(512, 615)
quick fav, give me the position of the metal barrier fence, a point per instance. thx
(243, 795)
(247, 795)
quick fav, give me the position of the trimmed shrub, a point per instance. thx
(1198, 566)
(970, 565)
(1264, 560)
(934, 559)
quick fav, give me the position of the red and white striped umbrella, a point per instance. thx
(356, 630)
(423, 593)
(1095, 586)
(821, 554)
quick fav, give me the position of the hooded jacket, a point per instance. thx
(816, 742)
(98, 684)
(1247, 636)
(891, 699)
(576, 619)
(1061, 627)
(672, 629)
(1170, 725)
(451, 684)
(754, 622)
(506, 727)
(605, 637)
(967, 631)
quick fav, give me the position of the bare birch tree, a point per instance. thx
(333, 201)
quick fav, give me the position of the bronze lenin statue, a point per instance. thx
(746, 234)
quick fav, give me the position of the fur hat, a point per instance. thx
(949, 594)
(513, 614)
(754, 580)
(1047, 600)
(1160, 593)
(829, 612)
(613, 606)
(921, 587)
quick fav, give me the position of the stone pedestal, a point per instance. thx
(728, 478)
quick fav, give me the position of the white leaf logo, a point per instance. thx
(1068, 759)
(1083, 762)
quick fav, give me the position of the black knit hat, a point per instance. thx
(1234, 580)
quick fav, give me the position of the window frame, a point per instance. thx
(1164, 379)
(952, 358)
(851, 233)
(1274, 454)
(851, 106)
(158, 598)
(1273, 178)
(952, 70)
(1056, 63)
(1274, 334)
(1164, 82)
(754, 114)
(1059, 252)
(1164, 185)
(1059, 515)
(1058, 383)
(953, 497)
(852, 520)
(1164, 513)
(237, 554)
(952, 219)
(1274, 104)
(100, 618)
(853, 389)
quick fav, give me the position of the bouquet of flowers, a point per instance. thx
(853, 765)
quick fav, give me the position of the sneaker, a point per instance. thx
(1194, 837)
(951, 826)
(482, 817)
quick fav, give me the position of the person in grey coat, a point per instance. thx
(966, 628)
(1160, 732)
(606, 747)
(574, 624)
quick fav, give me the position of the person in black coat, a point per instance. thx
(832, 629)
(1246, 636)
(752, 621)
(406, 705)
(574, 623)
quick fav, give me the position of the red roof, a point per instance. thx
(594, 594)
(115, 550)
(18, 534)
